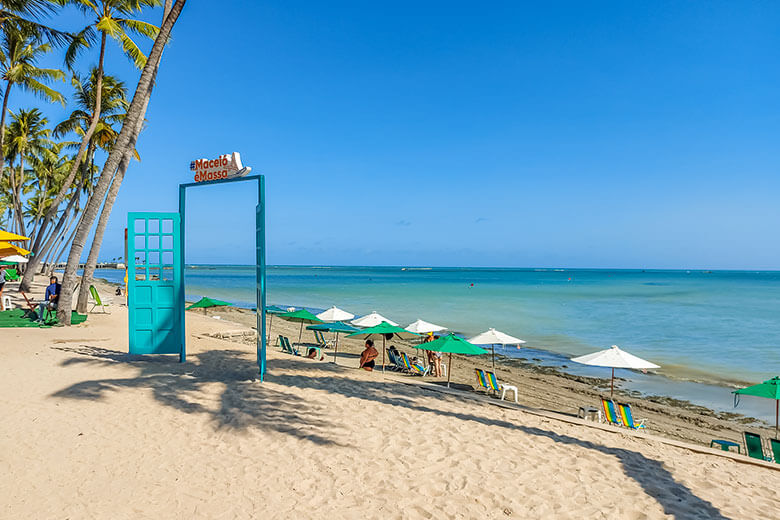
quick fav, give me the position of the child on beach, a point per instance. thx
(368, 356)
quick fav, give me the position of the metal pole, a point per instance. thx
(260, 259)
(383, 354)
(612, 384)
(449, 370)
(182, 314)
(336, 348)
(493, 350)
(777, 409)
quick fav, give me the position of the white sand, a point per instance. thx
(89, 432)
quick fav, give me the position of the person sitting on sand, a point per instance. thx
(368, 356)
(313, 354)
(50, 299)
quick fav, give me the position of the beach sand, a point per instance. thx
(91, 432)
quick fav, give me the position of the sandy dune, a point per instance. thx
(90, 432)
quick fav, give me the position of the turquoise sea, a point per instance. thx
(707, 329)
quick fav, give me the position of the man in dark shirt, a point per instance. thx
(50, 299)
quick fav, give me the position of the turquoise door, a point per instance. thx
(155, 284)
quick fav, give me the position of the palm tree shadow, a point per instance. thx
(656, 481)
(244, 403)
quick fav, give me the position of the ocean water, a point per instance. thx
(716, 328)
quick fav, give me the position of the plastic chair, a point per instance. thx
(96, 301)
(754, 446)
(502, 387)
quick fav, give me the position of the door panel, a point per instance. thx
(155, 283)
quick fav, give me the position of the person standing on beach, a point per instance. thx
(437, 371)
(431, 356)
(368, 356)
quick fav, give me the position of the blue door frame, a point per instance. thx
(260, 273)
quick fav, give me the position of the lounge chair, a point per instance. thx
(482, 380)
(610, 412)
(775, 445)
(96, 301)
(319, 336)
(502, 387)
(627, 418)
(287, 347)
(395, 364)
(414, 368)
(754, 446)
(11, 275)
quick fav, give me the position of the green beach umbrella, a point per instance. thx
(336, 326)
(769, 389)
(204, 303)
(300, 316)
(384, 328)
(273, 309)
(452, 344)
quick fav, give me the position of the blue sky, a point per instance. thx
(606, 134)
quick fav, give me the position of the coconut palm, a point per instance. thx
(122, 149)
(28, 137)
(26, 14)
(108, 19)
(20, 50)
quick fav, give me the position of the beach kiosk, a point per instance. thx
(156, 258)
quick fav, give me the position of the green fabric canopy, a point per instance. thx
(300, 316)
(384, 328)
(273, 309)
(204, 303)
(451, 344)
(335, 326)
(769, 389)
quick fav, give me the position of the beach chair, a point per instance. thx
(287, 347)
(502, 387)
(482, 380)
(774, 444)
(11, 275)
(322, 342)
(754, 447)
(627, 418)
(610, 412)
(96, 301)
(414, 368)
(395, 364)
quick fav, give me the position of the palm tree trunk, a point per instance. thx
(113, 190)
(2, 126)
(124, 144)
(35, 260)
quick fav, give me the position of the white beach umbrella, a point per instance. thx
(335, 314)
(495, 337)
(424, 327)
(613, 358)
(372, 320)
(17, 259)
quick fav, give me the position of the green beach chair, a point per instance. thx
(96, 301)
(775, 445)
(610, 412)
(287, 347)
(11, 275)
(754, 446)
(627, 418)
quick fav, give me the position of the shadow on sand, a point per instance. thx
(246, 404)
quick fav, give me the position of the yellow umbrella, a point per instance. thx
(6, 235)
(8, 249)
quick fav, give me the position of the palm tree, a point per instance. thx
(28, 137)
(123, 147)
(25, 14)
(20, 50)
(110, 19)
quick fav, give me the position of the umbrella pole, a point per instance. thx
(300, 333)
(270, 325)
(493, 351)
(612, 384)
(777, 411)
(449, 370)
(383, 354)
(336, 349)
